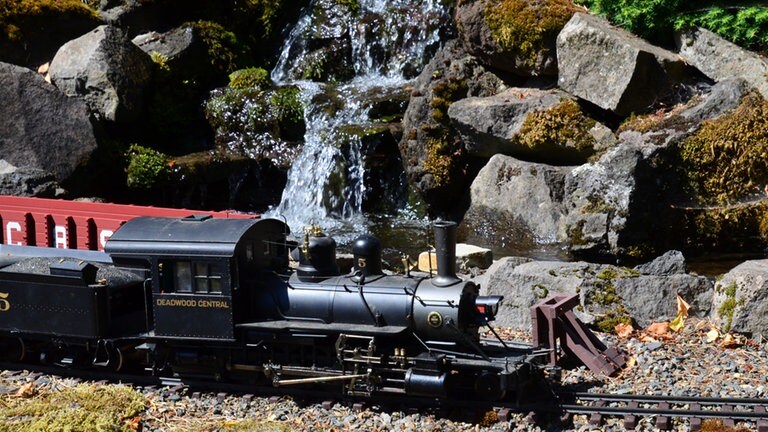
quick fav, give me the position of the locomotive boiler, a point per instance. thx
(218, 299)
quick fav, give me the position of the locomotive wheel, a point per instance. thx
(13, 349)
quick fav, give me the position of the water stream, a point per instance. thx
(388, 44)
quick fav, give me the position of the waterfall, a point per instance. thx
(387, 44)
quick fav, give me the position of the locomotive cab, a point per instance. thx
(196, 265)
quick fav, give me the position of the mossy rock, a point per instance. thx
(562, 130)
(31, 31)
(724, 169)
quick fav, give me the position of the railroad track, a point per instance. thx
(561, 405)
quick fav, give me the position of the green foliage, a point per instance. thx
(251, 78)
(728, 307)
(522, 27)
(16, 16)
(85, 407)
(352, 5)
(222, 44)
(744, 23)
(562, 125)
(161, 60)
(146, 167)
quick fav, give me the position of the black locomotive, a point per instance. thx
(217, 299)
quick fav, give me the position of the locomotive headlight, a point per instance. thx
(488, 306)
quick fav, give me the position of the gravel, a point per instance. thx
(690, 363)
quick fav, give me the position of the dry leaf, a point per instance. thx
(658, 329)
(647, 339)
(623, 330)
(26, 390)
(730, 342)
(682, 307)
(630, 363)
(678, 323)
(712, 335)
(133, 423)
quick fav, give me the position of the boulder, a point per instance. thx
(670, 263)
(25, 181)
(488, 125)
(722, 97)
(720, 60)
(435, 162)
(107, 70)
(608, 294)
(510, 191)
(616, 206)
(40, 127)
(741, 299)
(612, 68)
(536, 59)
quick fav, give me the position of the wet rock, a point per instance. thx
(720, 60)
(40, 127)
(107, 70)
(612, 68)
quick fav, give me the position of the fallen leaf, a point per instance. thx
(623, 330)
(646, 338)
(26, 390)
(133, 423)
(630, 363)
(712, 335)
(730, 342)
(658, 329)
(682, 307)
(677, 324)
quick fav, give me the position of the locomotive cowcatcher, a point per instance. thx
(217, 299)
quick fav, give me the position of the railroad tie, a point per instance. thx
(662, 422)
(762, 424)
(630, 420)
(596, 418)
(728, 421)
(695, 421)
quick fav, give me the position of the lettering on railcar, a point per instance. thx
(193, 303)
(5, 305)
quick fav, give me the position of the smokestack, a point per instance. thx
(445, 248)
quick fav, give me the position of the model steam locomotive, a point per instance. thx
(217, 299)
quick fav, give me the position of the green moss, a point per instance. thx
(352, 5)
(728, 306)
(523, 27)
(85, 407)
(608, 322)
(221, 43)
(564, 125)
(576, 233)
(438, 162)
(147, 168)
(540, 291)
(16, 15)
(444, 93)
(161, 60)
(250, 78)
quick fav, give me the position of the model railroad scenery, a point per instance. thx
(404, 215)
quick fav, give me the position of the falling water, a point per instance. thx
(325, 185)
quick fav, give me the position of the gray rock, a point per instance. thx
(26, 181)
(671, 262)
(720, 60)
(651, 299)
(488, 125)
(526, 193)
(173, 44)
(604, 291)
(741, 299)
(475, 36)
(612, 68)
(107, 70)
(724, 96)
(41, 128)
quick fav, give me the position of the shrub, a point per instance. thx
(146, 167)
(522, 27)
